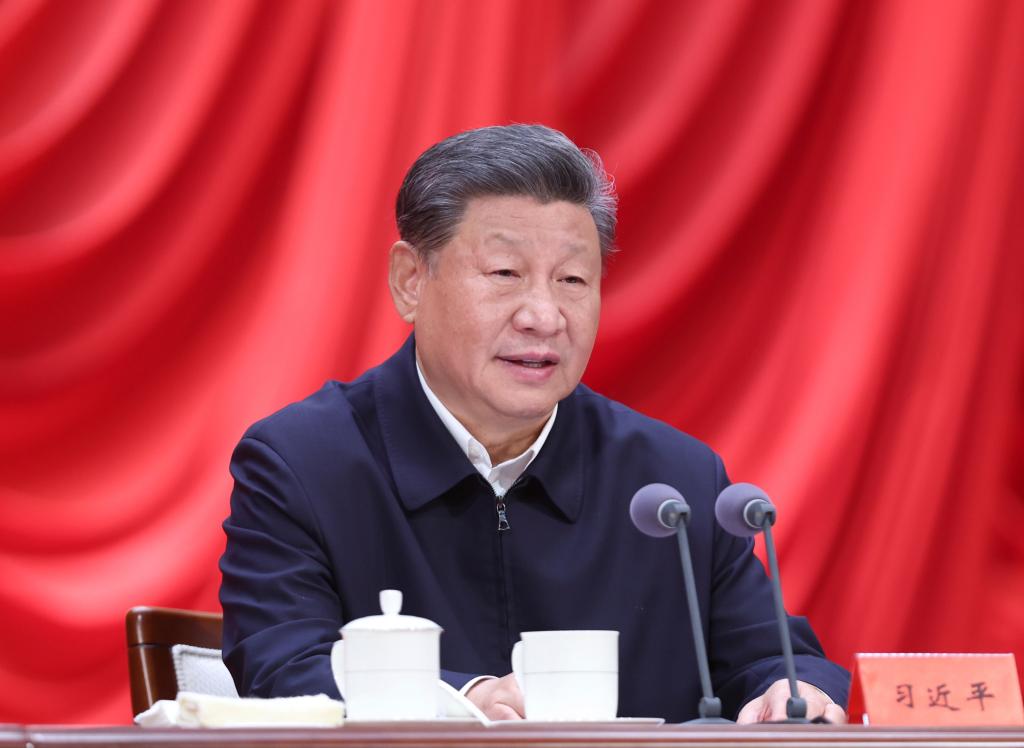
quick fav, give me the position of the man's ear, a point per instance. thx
(406, 273)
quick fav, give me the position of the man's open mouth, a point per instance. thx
(530, 363)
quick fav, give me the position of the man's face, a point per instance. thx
(507, 312)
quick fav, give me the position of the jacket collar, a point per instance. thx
(427, 463)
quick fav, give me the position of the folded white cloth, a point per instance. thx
(203, 710)
(163, 713)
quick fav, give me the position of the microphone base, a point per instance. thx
(789, 721)
(708, 721)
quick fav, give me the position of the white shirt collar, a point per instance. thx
(501, 477)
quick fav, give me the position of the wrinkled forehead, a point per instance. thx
(519, 222)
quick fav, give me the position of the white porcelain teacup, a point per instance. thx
(568, 675)
(387, 666)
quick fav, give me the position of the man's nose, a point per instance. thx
(539, 313)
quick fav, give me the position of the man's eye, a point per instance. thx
(505, 273)
(574, 279)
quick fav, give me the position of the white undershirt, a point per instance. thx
(502, 476)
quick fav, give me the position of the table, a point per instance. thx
(543, 736)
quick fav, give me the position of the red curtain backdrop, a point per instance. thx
(821, 275)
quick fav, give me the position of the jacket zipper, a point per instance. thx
(499, 505)
(502, 515)
(503, 526)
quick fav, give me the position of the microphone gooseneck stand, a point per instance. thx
(796, 706)
(710, 706)
(658, 510)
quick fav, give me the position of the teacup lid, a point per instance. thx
(391, 618)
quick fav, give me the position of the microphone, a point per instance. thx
(744, 510)
(659, 510)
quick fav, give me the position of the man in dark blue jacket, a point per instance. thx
(475, 473)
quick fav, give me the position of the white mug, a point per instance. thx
(568, 675)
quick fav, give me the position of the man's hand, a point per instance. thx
(498, 698)
(771, 705)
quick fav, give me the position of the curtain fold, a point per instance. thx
(821, 275)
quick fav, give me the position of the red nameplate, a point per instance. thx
(935, 689)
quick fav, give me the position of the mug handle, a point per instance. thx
(517, 665)
(338, 666)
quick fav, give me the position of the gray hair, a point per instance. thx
(526, 160)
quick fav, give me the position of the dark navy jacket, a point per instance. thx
(360, 487)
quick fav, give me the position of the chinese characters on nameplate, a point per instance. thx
(935, 689)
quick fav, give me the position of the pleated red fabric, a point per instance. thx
(821, 274)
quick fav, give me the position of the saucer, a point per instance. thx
(412, 720)
(615, 721)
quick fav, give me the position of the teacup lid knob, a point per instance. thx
(391, 618)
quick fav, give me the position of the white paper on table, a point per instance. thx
(204, 710)
(456, 706)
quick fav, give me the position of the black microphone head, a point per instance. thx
(731, 506)
(645, 509)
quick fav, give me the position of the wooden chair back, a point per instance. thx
(151, 634)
